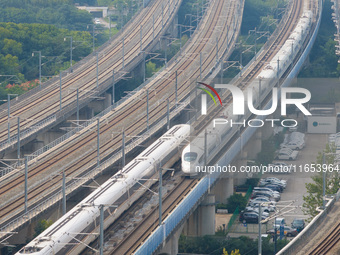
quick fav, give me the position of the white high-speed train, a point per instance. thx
(84, 217)
(193, 154)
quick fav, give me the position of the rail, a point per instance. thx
(31, 158)
(160, 235)
(76, 183)
(15, 223)
(69, 109)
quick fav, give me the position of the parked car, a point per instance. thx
(299, 224)
(332, 137)
(266, 189)
(294, 145)
(280, 167)
(264, 183)
(265, 212)
(250, 217)
(276, 179)
(259, 200)
(274, 187)
(269, 207)
(287, 154)
(270, 195)
(297, 136)
(288, 231)
(272, 180)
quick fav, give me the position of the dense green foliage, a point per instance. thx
(19, 41)
(236, 200)
(41, 226)
(259, 13)
(191, 8)
(322, 59)
(61, 13)
(313, 198)
(214, 245)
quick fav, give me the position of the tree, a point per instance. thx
(313, 199)
(41, 226)
(236, 200)
(150, 69)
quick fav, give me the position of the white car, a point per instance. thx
(259, 200)
(294, 145)
(287, 154)
(297, 136)
(265, 189)
(269, 208)
(276, 180)
(253, 209)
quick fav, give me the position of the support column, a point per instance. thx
(207, 216)
(171, 246)
(223, 189)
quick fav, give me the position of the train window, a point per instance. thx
(190, 156)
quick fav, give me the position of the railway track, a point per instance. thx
(67, 153)
(136, 236)
(328, 243)
(256, 67)
(139, 234)
(142, 234)
(150, 223)
(45, 103)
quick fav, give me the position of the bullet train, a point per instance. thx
(118, 190)
(193, 156)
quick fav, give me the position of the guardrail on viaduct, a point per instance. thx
(160, 235)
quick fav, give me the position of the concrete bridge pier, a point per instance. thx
(171, 246)
(202, 221)
(224, 188)
(253, 147)
(241, 160)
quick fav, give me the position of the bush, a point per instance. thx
(234, 201)
(252, 182)
(41, 226)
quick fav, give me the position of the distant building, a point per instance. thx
(99, 12)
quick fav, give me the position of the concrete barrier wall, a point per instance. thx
(300, 239)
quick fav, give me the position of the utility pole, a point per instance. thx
(64, 193)
(160, 195)
(60, 97)
(123, 149)
(71, 49)
(98, 135)
(260, 234)
(39, 52)
(26, 184)
(147, 109)
(113, 87)
(97, 70)
(78, 105)
(18, 136)
(101, 207)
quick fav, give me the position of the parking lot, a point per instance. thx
(295, 190)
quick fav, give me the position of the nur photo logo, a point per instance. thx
(204, 97)
(239, 102)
